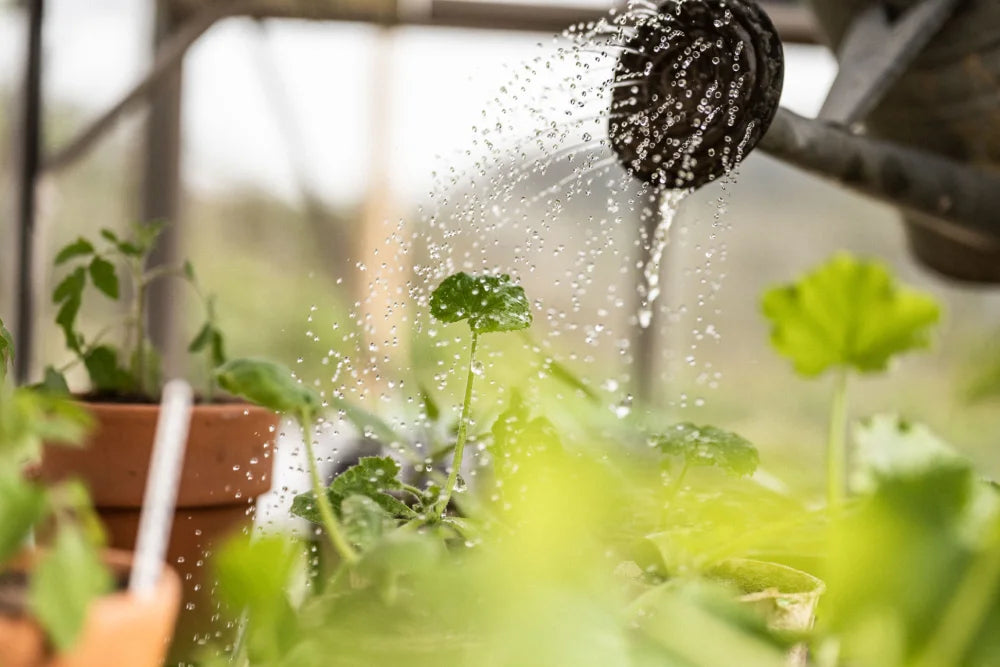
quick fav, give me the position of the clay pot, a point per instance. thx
(120, 628)
(227, 465)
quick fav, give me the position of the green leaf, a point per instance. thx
(365, 521)
(6, 350)
(105, 373)
(516, 435)
(888, 446)
(69, 293)
(67, 579)
(104, 277)
(79, 248)
(254, 577)
(488, 303)
(145, 234)
(269, 385)
(218, 351)
(189, 271)
(372, 476)
(708, 446)
(22, 505)
(28, 417)
(847, 313)
(202, 339)
(431, 408)
(54, 382)
(71, 287)
(109, 235)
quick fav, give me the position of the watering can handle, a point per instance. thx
(876, 51)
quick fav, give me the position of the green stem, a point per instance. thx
(964, 616)
(836, 447)
(329, 519)
(675, 486)
(456, 462)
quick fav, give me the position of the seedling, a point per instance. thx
(706, 446)
(131, 370)
(488, 304)
(847, 315)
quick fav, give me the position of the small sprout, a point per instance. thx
(488, 304)
(708, 446)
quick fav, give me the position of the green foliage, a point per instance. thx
(847, 313)
(6, 351)
(254, 576)
(29, 417)
(22, 505)
(66, 580)
(373, 477)
(269, 385)
(899, 563)
(708, 446)
(487, 303)
(132, 370)
(516, 435)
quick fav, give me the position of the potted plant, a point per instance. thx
(540, 558)
(228, 459)
(448, 573)
(62, 602)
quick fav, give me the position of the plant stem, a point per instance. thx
(463, 425)
(675, 486)
(330, 522)
(836, 448)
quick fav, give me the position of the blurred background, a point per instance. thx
(301, 145)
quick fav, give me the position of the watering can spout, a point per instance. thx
(696, 87)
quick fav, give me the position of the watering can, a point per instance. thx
(913, 118)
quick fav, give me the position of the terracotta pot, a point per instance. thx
(120, 628)
(227, 465)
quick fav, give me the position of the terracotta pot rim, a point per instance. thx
(203, 408)
(117, 560)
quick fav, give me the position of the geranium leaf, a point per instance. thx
(847, 313)
(488, 303)
(708, 446)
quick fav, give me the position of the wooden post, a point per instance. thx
(161, 194)
(27, 197)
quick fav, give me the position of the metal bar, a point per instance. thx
(161, 193)
(27, 196)
(794, 23)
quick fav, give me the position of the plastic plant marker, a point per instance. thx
(162, 483)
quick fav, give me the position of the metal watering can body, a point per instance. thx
(928, 141)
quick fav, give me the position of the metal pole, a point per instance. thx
(28, 176)
(161, 190)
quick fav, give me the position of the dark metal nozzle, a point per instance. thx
(694, 90)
